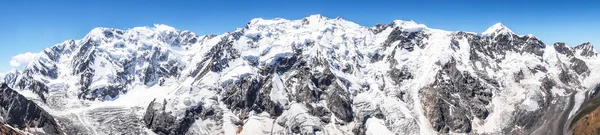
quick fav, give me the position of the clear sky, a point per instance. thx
(32, 25)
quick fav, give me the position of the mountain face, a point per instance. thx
(313, 75)
(22, 113)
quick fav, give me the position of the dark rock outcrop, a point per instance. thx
(22, 113)
(562, 48)
(250, 94)
(586, 49)
(451, 103)
(407, 40)
(165, 123)
(580, 67)
(498, 46)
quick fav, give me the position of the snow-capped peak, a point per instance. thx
(408, 25)
(403, 22)
(102, 32)
(585, 45)
(97, 32)
(162, 27)
(585, 49)
(325, 71)
(316, 17)
(497, 29)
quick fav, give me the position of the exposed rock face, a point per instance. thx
(22, 113)
(455, 99)
(407, 40)
(162, 122)
(579, 67)
(6, 130)
(309, 76)
(159, 118)
(585, 49)
(562, 48)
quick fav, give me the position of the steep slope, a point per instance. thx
(586, 121)
(7, 130)
(313, 75)
(21, 113)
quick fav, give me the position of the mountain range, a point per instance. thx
(315, 75)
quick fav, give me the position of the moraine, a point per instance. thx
(312, 75)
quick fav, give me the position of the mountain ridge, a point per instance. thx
(310, 75)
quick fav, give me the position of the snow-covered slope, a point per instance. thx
(497, 29)
(312, 75)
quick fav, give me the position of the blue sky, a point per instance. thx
(32, 25)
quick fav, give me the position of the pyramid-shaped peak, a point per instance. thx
(496, 29)
(586, 49)
(585, 46)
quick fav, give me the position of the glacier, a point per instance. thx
(314, 75)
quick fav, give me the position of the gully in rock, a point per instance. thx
(313, 75)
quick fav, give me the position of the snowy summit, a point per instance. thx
(313, 75)
(497, 29)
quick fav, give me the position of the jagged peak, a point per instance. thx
(586, 49)
(97, 32)
(585, 45)
(497, 29)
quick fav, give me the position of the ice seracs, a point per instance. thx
(497, 29)
(313, 75)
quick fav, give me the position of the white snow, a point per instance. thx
(377, 127)
(338, 43)
(256, 125)
(279, 92)
(409, 26)
(497, 29)
(579, 98)
(163, 28)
